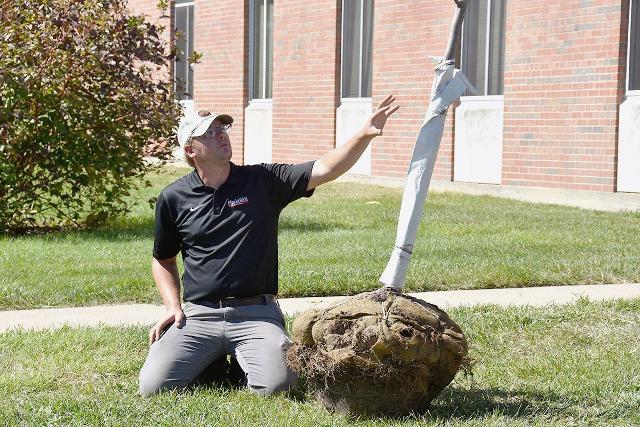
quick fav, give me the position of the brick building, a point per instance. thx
(557, 104)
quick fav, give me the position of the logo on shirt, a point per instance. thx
(193, 208)
(237, 202)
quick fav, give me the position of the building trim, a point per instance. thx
(487, 49)
(482, 98)
(355, 100)
(626, 86)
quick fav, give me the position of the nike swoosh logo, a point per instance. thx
(193, 209)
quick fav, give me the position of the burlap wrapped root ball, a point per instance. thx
(378, 353)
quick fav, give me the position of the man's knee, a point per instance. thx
(151, 382)
(278, 381)
(148, 384)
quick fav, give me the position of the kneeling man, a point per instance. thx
(223, 219)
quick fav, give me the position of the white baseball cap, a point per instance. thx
(196, 123)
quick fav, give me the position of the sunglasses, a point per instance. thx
(215, 131)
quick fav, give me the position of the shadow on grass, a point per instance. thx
(120, 229)
(468, 404)
(310, 225)
(115, 230)
(473, 404)
(142, 228)
(128, 229)
(453, 404)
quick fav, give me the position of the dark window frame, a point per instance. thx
(183, 73)
(633, 49)
(261, 50)
(490, 16)
(363, 11)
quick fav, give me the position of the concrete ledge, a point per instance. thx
(107, 315)
(537, 297)
(611, 202)
(148, 314)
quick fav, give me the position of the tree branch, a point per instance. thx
(456, 26)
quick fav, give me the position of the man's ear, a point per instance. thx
(188, 151)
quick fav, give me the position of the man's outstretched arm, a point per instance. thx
(340, 159)
(167, 278)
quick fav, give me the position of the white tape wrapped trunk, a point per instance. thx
(448, 85)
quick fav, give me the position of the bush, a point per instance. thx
(85, 96)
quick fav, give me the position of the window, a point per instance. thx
(261, 49)
(483, 45)
(633, 58)
(182, 71)
(357, 35)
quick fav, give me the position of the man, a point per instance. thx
(224, 219)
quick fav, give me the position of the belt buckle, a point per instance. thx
(226, 302)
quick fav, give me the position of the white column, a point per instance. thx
(258, 126)
(350, 116)
(187, 107)
(478, 140)
(629, 145)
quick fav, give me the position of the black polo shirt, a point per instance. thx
(228, 236)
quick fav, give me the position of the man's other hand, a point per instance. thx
(174, 315)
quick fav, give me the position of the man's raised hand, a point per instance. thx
(377, 120)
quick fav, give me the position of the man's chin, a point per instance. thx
(220, 159)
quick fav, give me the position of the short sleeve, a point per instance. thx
(166, 242)
(288, 182)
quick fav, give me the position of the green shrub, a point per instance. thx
(85, 96)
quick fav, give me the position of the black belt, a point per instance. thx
(239, 302)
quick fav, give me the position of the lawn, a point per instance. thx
(568, 365)
(338, 242)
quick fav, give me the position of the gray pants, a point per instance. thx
(255, 335)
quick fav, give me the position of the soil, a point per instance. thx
(377, 353)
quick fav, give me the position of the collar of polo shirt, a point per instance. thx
(196, 182)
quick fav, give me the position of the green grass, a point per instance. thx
(338, 242)
(572, 365)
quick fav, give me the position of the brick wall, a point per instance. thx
(220, 80)
(564, 80)
(153, 15)
(405, 33)
(145, 7)
(305, 78)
